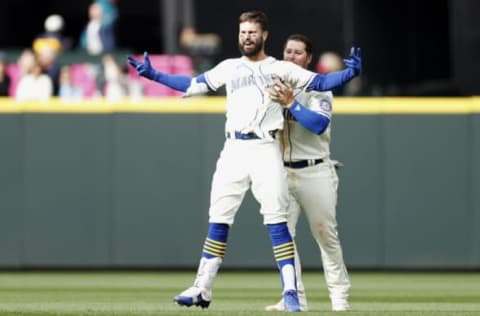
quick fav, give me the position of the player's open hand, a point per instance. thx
(281, 92)
(355, 60)
(143, 69)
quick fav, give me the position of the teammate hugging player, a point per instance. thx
(312, 179)
(251, 156)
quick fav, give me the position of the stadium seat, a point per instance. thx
(13, 72)
(182, 65)
(84, 77)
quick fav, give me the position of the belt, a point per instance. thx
(302, 163)
(246, 136)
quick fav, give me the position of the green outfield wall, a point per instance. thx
(116, 185)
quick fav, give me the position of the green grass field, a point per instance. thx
(235, 293)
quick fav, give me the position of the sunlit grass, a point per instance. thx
(235, 293)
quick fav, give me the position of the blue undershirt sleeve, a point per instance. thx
(313, 121)
(177, 82)
(332, 80)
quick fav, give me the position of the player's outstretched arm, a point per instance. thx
(178, 82)
(332, 80)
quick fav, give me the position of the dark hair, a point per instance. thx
(304, 39)
(255, 16)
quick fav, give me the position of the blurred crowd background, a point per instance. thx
(77, 49)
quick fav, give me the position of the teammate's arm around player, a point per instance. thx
(282, 93)
(199, 85)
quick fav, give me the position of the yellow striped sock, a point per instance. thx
(214, 248)
(285, 251)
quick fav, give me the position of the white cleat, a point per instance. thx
(340, 306)
(275, 307)
(194, 296)
(279, 307)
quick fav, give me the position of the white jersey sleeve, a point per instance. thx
(220, 74)
(295, 75)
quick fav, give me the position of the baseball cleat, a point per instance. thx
(275, 307)
(340, 306)
(290, 301)
(194, 296)
(279, 307)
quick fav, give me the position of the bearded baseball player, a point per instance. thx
(312, 178)
(251, 156)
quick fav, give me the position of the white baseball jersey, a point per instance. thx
(252, 163)
(249, 107)
(300, 143)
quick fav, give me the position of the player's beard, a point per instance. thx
(257, 48)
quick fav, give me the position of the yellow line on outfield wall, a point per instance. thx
(342, 105)
(100, 105)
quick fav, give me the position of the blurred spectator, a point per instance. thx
(110, 12)
(98, 37)
(25, 62)
(35, 85)
(330, 62)
(116, 84)
(4, 77)
(49, 45)
(48, 59)
(22, 67)
(68, 90)
(52, 37)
